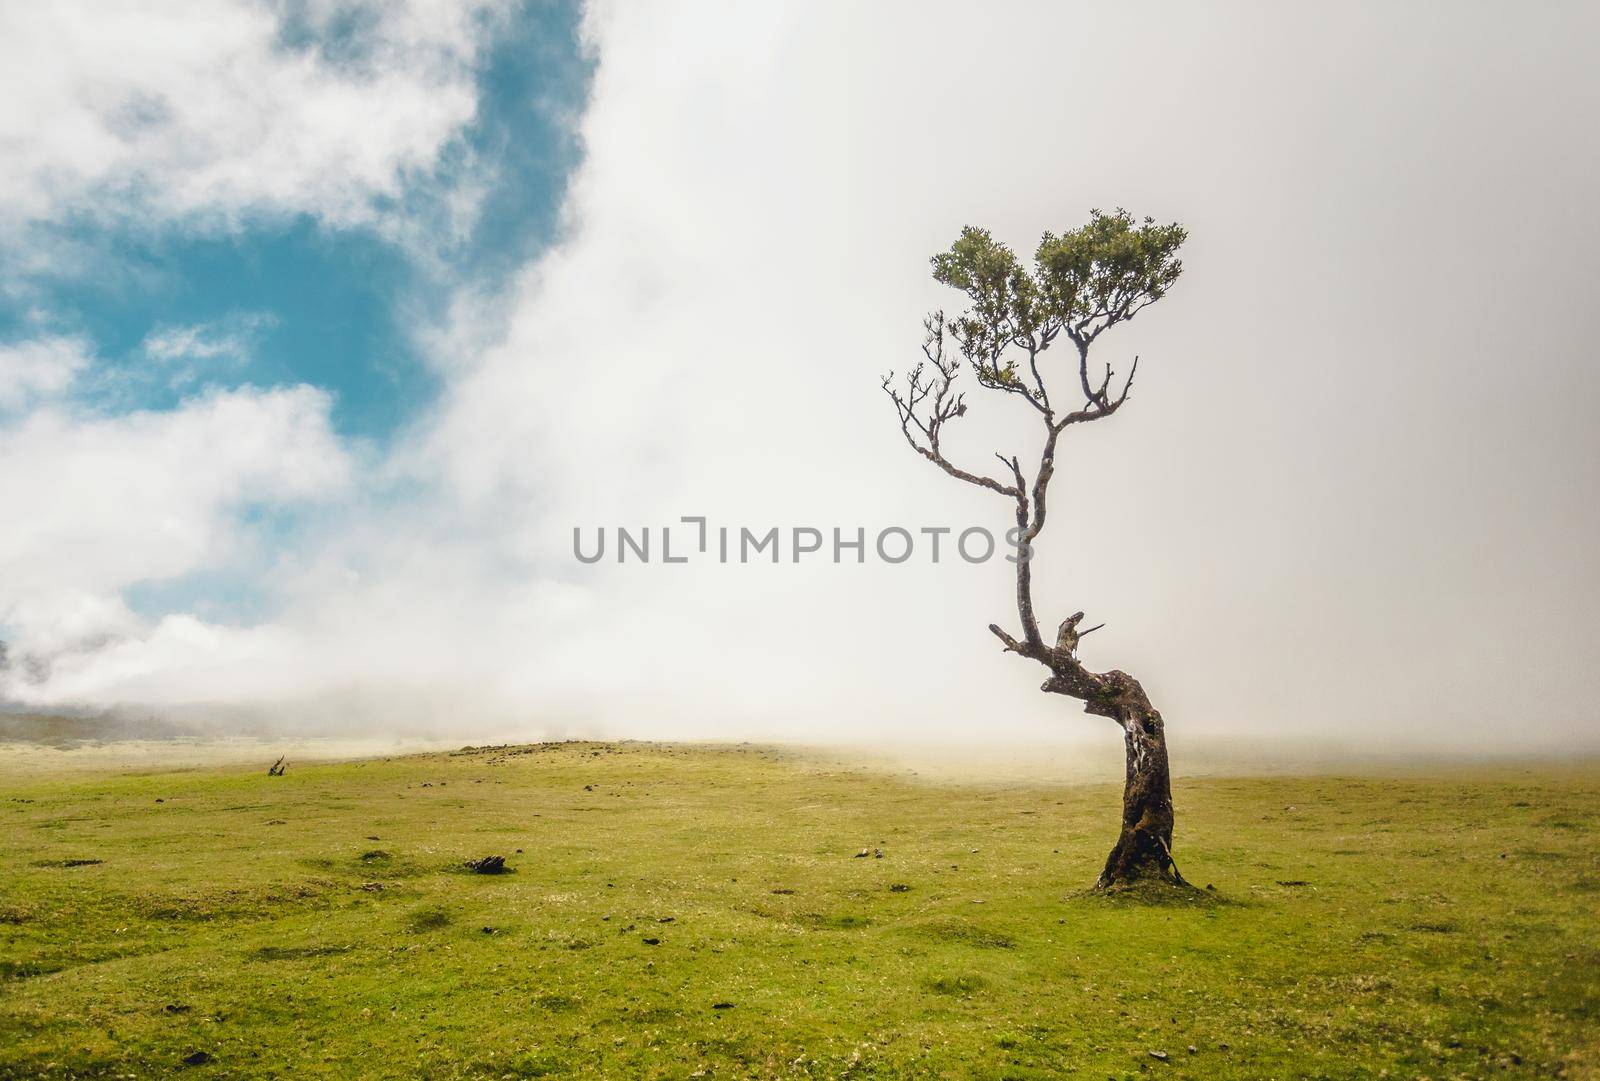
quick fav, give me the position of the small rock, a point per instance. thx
(652, 942)
(877, 853)
(1193, 1050)
(863, 854)
(199, 1058)
(1162, 1055)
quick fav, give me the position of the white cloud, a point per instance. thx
(182, 354)
(96, 504)
(144, 112)
(39, 368)
(1323, 482)
(197, 341)
(760, 192)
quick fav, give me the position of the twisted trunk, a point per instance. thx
(1144, 846)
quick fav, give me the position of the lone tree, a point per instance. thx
(1083, 283)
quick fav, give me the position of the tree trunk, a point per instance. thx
(1144, 848)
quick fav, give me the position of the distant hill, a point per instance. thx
(59, 729)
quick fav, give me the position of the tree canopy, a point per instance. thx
(1083, 282)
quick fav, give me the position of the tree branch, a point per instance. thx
(929, 402)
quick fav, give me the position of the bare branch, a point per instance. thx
(1133, 371)
(1034, 349)
(929, 402)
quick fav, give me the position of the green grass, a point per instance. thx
(701, 912)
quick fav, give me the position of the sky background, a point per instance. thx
(323, 324)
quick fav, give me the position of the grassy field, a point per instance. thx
(702, 912)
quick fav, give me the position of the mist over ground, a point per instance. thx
(1351, 502)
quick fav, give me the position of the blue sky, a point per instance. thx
(305, 301)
